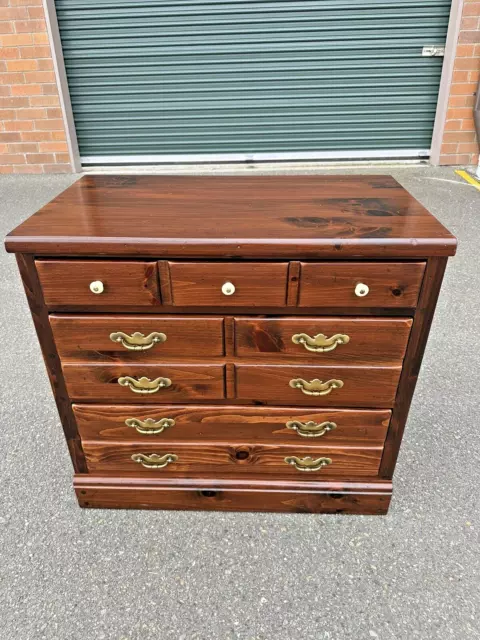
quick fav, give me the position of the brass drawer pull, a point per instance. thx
(143, 384)
(320, 343)
(154, 460)
(149, 426)
(308, 464)
(137, 341)
(311, 429)
(316, 387)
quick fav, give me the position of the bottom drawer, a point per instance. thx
(222, 459)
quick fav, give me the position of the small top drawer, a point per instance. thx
(360, 284)
(98, 283)
(228, 284)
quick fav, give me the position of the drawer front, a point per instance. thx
(318, 386)
(153, 424)
(207, 284)
(359, 341)
(339, 284)
(180, 460)
(115, 337)
(66, 283)
(144, 383)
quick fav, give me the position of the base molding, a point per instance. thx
(348, 497)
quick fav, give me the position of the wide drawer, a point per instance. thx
(324, 340)
(360, 284)
(144, 383)
(228, 284)
(97, 283)
(318, 386)
(224, 459)
(159, 423)
(83, 338)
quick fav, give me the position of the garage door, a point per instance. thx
(158, 80)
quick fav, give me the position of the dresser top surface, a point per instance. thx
(321, 216)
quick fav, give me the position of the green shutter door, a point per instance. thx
(151, 80)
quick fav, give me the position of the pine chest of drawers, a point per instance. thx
(237, 343)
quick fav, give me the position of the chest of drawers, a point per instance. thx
(235, 343)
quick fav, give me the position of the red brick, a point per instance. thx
(9, 53)
(6, 169)
(13, 103)
(465, 50)
(39, 76)
(14, 13)
(22, 65)
(10, 136)
(468, 147)
(30, 26)
(50, 90)
(26, 89)
(35, 52)
(12, 78)
(18, 125)
(31, 114)
(36, 136)
(57, 168)
(467, 63)
(62, 158)
(453, 125)
(52, 147)
(468, 124)
(459, 136)
(3, 149)
(28, 3)
(7, 114)
(458, 76)
(463, 89)
(44, 101)
(40, 158)
(6, 27)
(28, 168)
(54, 113)
(49, 125)
(449, 147)
(474, 76)
(469, 37)
(58, 135)
(5, 90)
(16, 40)
(40, 38)
(36, 13)
(45, 64)
(23, 147)
(471, 9)
(13, 158)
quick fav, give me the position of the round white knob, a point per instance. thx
(361, 290)
(228, 289)
(97, 286)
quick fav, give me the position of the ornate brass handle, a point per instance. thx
(311, 429)
(320, 343)
(137, 341)
(149, 426)
(308, 464)
(143, 384)
(316, 387)
(154, 460)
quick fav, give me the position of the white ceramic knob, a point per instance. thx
(361, 290)
(228, 289)
(96, 286)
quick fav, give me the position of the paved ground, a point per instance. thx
(74, 574)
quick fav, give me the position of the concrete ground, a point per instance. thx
(72, 574)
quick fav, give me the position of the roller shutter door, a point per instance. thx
(158, 80)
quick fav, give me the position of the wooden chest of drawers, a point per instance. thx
(236, 343)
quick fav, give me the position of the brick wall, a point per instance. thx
(32, 133)
(459, 143)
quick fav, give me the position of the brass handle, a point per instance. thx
(154, 460)
(311, 429)
(320, 343)
(149, 426)
(316, 387)
(137, 341)
(308, 464)
(143, 384)
(97, 286)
